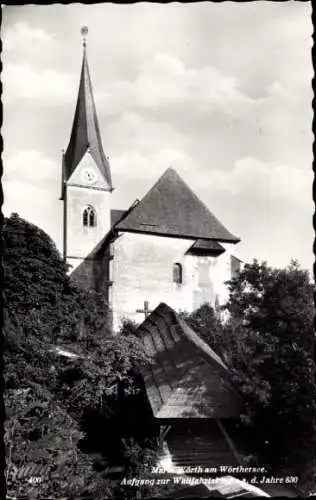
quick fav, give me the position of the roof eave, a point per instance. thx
(183, 236)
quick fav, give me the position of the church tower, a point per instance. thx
(86, 177)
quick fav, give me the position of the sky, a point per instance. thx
(221, 92)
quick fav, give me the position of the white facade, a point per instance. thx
(142, 270)
(80, 239)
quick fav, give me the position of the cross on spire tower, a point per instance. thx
(84, 31)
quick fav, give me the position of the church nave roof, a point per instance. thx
(171, 208)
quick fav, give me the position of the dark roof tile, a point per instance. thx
(187, 378)
(116, 215)
(209, 247)
(170, 208)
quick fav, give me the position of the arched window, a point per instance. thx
(177, 273)
(89, 217)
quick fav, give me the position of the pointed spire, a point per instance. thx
(85, 134)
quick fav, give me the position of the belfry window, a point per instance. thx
(177, 273)
(89, 217)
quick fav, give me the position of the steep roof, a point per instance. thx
(116, 216)
(171, 208)
(85, 132)
(187, 378)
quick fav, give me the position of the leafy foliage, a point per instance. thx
(49, 394)
(39, 432)
(207, 324)
(55, 403)
(277, 305)
(267, 343)
(30, 258)
(105, 363)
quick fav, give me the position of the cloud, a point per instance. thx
(36, 204)
(255, 180)
(152, 165)
(133, 132)
(165, 81)
(268, 205)
(47, 86)
(206, 106)
(29, 167)
(234, 120)
(17, 192)
(31, 186)
(23, 36)
(281, 93)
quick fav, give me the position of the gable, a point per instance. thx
(171, 208)
(77, 176)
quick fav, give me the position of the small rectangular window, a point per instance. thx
(177, 273)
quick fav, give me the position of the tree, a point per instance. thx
(243, 350)
(42, 446)
(38, 297)
(207, 324)
(39, 307)
(48, 394)
(267, 344)
(275, 306)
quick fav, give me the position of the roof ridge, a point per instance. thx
(178, 177)
(190, 334)
(156, 212)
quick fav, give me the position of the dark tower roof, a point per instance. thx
(85, 132)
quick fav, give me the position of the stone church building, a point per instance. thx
(167, 247)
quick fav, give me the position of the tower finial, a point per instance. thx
(84, 31)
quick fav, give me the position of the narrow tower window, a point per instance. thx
(177, 273)
(89, 218)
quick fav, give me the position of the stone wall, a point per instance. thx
(142, 270)
(93, 272)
